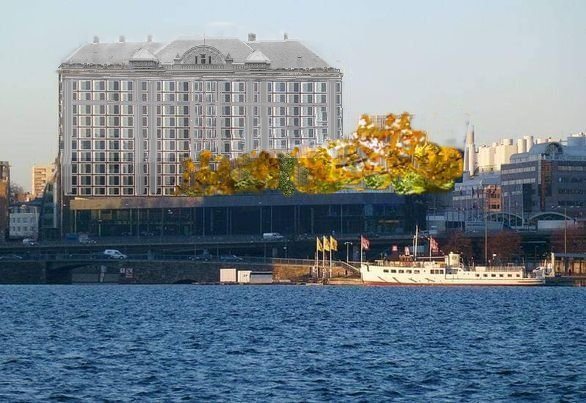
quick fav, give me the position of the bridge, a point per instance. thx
(153, 269)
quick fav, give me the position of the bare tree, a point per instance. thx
(570, 240)
(457, 242)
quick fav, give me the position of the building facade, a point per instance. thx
(24, 222)
(131, 112)
(4, 198)
(300, 216)
(550, 177)
(41, 174)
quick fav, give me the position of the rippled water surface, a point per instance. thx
(291, 343)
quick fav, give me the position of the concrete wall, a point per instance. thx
(22, 273)
(145, 272)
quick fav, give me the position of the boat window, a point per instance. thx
(385, 271)
(408, 271)
(401, 271)
(509, 275)
(493, 275)
(518, 275)
(441, 271)
(501, 275)
(393, 271)
(416, 271)
(485, 275)
(477, 275)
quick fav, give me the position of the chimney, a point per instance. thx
(251, 37)
(121, 39)
(96, 39)
(149, 38)
(285, 36)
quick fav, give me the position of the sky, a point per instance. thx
(510, 68)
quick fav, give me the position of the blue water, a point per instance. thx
(291, 343)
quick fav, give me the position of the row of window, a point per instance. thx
(101, 180)
(22, 229)
(517, 170)
(207, 97)
(101, 168)
(101, 191)
(208, 86)
(22, 220)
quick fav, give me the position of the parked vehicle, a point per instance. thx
(29, 242)
(114, 254)
(230, 258)
(272, 235)
(205, 256)
(10, 257)
(85, 239)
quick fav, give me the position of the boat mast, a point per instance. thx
(415, 242)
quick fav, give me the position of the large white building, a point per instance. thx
(131, 112)
(486, 159)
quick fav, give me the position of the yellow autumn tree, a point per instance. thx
(394, 156)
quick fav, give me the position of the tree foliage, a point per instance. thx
(394, 156)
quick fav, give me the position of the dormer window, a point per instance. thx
(200, 55)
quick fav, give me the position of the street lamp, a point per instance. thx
(565, 227)
(347, 250)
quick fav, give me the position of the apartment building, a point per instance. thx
(130, 112)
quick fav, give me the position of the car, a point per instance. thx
(10, 257)
(87, 241)
(272, 236)
(202, 257)
(29, 242)
(230, 258)
(114, 254)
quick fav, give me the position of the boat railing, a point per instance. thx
(493, 269)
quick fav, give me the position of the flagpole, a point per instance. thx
(316, 265)
(323, 274)
(360, 250)
(430, 248)
(330, 273)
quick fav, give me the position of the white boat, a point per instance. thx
(448, 272)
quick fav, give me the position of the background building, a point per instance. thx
(550, 177)
(4, 198)
(131, 112)
(24, 222)
(41, 174)
(301, 216)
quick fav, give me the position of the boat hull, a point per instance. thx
(439, 275)
(532, 283)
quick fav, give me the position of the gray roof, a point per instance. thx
(281, 54)
(552, 149)
(289, 54)
(143, 54)
(257, 57)
(109, 53)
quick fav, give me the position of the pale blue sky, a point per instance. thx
(513, 68)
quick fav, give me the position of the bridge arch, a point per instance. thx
(506, 218)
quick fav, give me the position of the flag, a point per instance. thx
(407, 253)
(326, 244)
(319, 245)
(333, 243)
(364, 243)
(433, 245)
